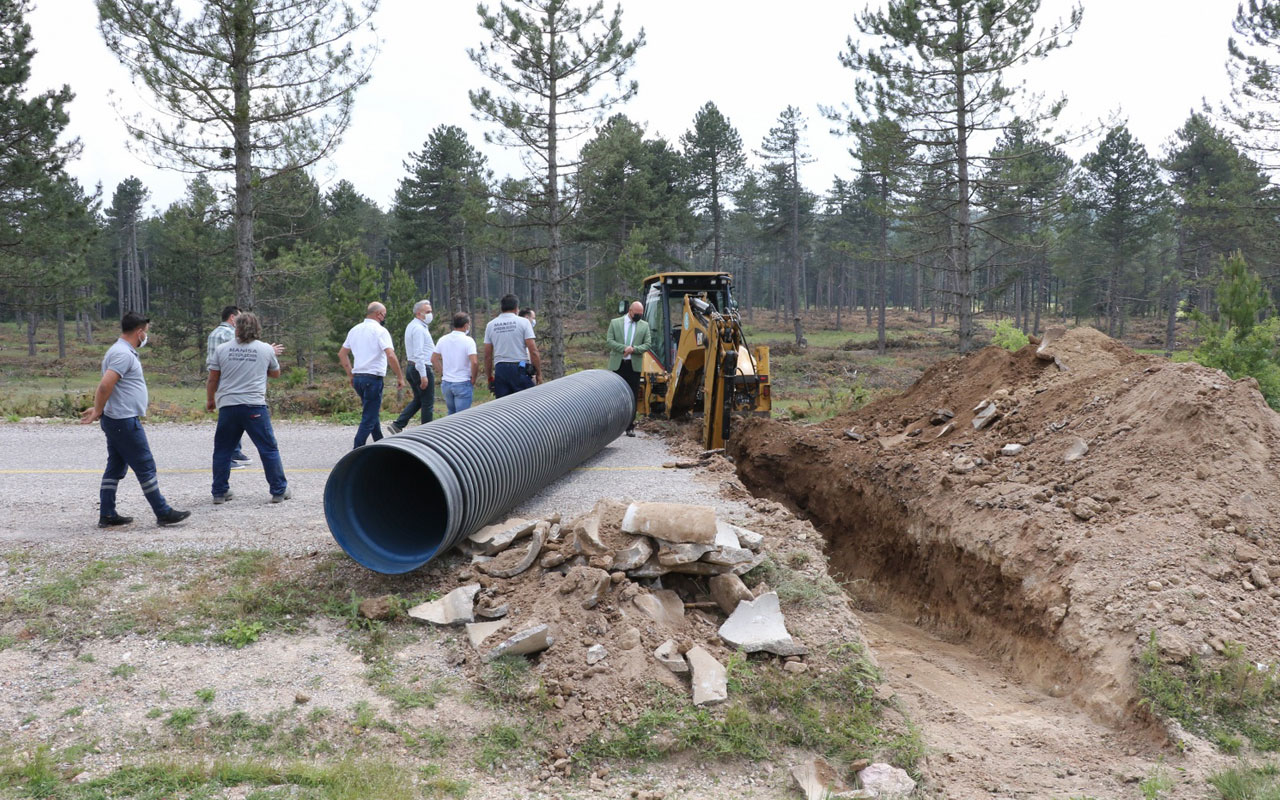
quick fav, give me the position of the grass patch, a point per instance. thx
(1248, 782)
(499, 744)
(435, 784)
(836, 714)
(1227, 701)
(43, 775)
(794, 588)
(506, 679)
(124, 671)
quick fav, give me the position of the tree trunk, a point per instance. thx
(243, 151)
(964, 271)
(552, 286)
(62, 333)
(793, 294)
(32, 321)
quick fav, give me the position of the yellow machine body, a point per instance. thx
(700, 362)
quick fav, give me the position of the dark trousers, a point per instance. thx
(629, 374)
(234, 422)
(127, 449)
(369, 387)
(509, 378)
(424, 399)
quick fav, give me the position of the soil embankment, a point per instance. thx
(1102, 497)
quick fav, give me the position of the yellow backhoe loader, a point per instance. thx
(700, 361)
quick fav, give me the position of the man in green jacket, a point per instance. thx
(629, 338)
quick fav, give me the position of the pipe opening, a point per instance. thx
(387, 509)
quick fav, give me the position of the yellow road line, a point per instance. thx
(288, 470)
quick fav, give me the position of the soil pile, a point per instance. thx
(1055, 514)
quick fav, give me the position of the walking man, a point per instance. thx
(220, 335)
(237, 389)
(418, 347)
(629, 339)
(531, 315)
(455, 360)
(119, 403)
(511, 361)
(370, 344)
(223, 333)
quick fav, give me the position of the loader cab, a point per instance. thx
(664, 295)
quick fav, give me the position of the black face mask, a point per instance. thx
(635, 317)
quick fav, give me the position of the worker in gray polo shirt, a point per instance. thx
(511, 360)
(237, 388)
(119, 403)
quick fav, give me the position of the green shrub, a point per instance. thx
(1007, 335)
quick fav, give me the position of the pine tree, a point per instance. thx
(549, 58)
(1129, 207)
(940, 73)
(249, 88)
(440, 207)
(785, 146)
(717, 165)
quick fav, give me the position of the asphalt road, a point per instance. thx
(49, 477)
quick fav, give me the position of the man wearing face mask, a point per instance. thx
(418, 347)
(369, 345)
(531, 315)
(120, 402)
(628, 340)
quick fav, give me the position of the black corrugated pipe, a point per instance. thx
(396, 504)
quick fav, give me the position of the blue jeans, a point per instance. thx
(457, 395)
(369, 387)
(423, 399)
(509, 378)
(127, 449)
(235, 421)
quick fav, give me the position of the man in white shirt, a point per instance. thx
(455, 359)
(370, 345)
(511, 360)
(418, 346)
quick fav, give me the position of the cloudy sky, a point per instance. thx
(1152, 61)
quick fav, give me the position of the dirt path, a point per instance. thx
(991, 736)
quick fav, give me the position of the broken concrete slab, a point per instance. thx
(940, 416)
(663, 607)
(726, 535)
(710, 681)
(477, 632)
(1011, 449)
(585, 535)
(748, 539)
(729, 590)
(817, 779)
(1045, 351)
(493, 539)
(455, 608)
(634, 555)
(986, 416)
(669, 656)
(729, 556)
(672, 522)
(886, 781)
(647, 570)
(531, 640)
(1076, 450)
(671, 554)
(743, 569)
(703, 568)
(591, 583)
(757, 625)
(596, 653)
(507, 565)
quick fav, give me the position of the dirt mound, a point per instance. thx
(1054, 514)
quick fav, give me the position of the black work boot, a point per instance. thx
(111, 520)
(172, 517)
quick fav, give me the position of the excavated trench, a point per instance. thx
(992, 591)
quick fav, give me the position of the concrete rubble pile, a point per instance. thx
(531, 582)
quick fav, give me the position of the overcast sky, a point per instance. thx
(1153, 61)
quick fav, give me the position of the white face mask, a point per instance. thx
(143, 343)
(427, 319)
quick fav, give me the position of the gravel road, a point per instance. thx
(50, 475)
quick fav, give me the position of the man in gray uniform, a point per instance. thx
(223, 333)
(511, 360)
(120, 402)
(237, 388)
